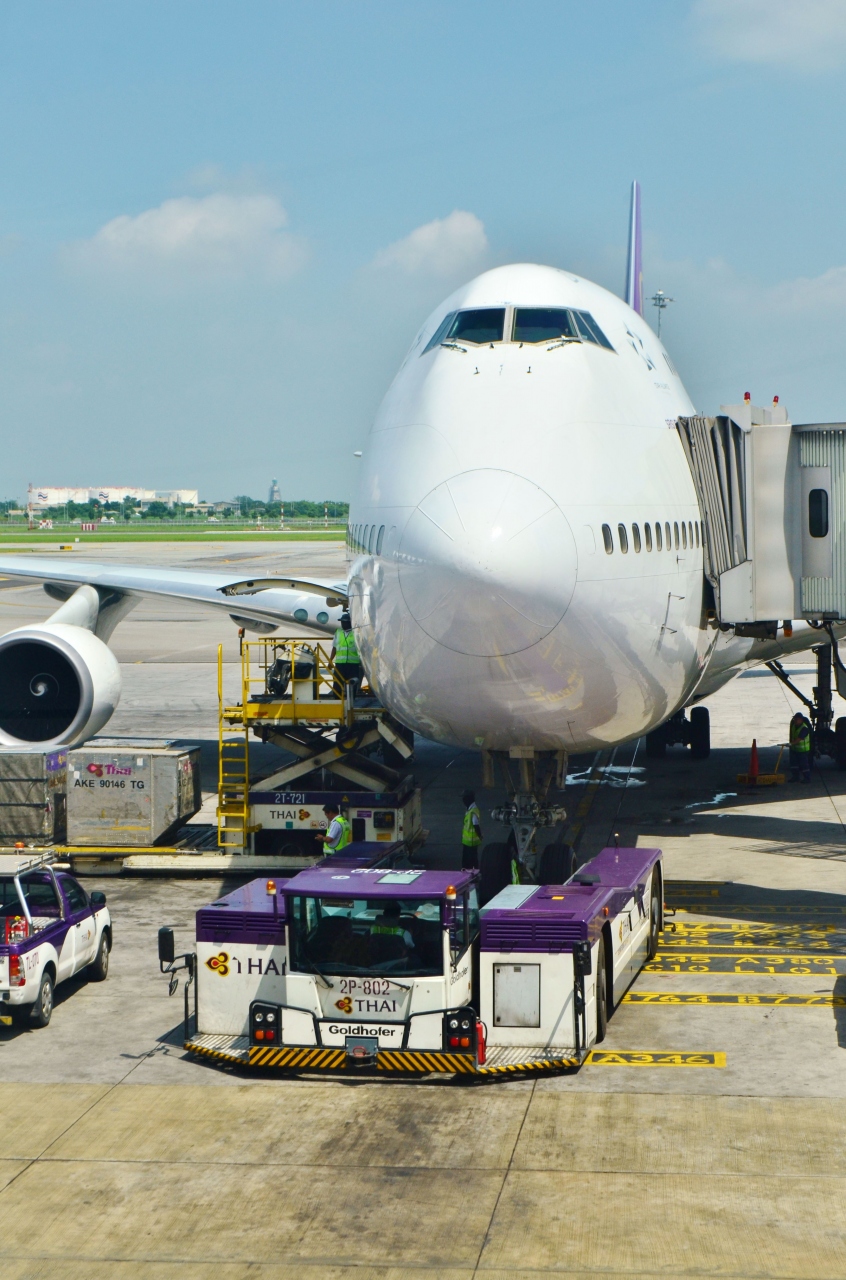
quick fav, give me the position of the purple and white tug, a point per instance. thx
(365, 962)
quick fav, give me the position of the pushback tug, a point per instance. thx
(364, 962)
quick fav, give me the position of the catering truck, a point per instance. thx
(364, 962)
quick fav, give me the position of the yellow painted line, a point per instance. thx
(644, 1058)
(733, 998)
(760, 955)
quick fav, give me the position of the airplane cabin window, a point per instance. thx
(607, 538)
(668, 536)
(696, 527)
(542, 324)
(370, 540)
(676, 529)
(484, 325)
(684, 535)
(647, 530)
(439, 334)
(658, 546)
(690, 534)
(624, 538)
(818, 513)
(636, 538)
(380, 539)
(589, 330)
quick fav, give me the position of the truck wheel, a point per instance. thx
(43, 1008)
(656, 744)
(557, 864)
(840, 742)
(601, 993)
(495, 870)
(654, 916)
(700, 733)
(98, 970)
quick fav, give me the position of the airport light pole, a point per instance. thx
(661, 301)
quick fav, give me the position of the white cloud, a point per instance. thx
(218, 235)
(808, 34)
(442, 247)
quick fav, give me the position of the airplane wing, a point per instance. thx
(266, 601)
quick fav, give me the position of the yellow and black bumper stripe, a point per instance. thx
(267, 1056)
(388, 1060)
(220, 1054)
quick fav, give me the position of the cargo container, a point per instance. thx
(132, 793)
(33, 787)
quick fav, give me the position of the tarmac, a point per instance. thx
(708, 1138)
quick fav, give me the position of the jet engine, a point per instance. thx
(59, 684)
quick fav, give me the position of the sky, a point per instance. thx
(221, 224)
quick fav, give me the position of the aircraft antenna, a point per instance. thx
(661, 301)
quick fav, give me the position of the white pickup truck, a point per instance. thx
(50, 929)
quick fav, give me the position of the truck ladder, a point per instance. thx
(233, 774)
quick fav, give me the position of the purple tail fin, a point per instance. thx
(634, 266)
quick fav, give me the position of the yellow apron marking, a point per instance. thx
(715, 960)
(728, 997)
(628, 1058)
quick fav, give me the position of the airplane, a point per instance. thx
(526, 552)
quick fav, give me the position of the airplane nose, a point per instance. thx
(487, 563)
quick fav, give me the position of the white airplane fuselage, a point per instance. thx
(492, 615)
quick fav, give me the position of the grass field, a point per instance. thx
(52, 537)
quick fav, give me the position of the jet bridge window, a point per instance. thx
(543, 324)
(818, 513)
(483, 325)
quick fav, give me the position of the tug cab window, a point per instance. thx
(543, 324)
(818, 513)
(367, 937)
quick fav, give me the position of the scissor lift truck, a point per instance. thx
(364, 962)
(292, 696)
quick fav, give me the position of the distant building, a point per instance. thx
(53, 496)
(274, 495)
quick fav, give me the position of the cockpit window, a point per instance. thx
(477, 326)
(589, 330)
(542, 324)
(439, 334)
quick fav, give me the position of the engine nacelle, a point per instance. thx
(59, 684)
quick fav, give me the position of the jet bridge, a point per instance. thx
(773, 500)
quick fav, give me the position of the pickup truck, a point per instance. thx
(50, 929)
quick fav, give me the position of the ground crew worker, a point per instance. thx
(471, 832)
(389, 923)
(345, 654)
(800, 748)
(338, 833)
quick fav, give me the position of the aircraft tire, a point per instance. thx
(494, 869)
(700, 733)
(557, 864)
(656, 744)
(840, 742)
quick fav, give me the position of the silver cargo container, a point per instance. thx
(133, 792)
(33, 786)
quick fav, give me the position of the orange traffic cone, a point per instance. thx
(753, 760)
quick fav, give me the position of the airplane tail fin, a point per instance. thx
(634, 266)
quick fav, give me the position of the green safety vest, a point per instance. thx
(346, 649)
(515, 871)
(394, 930)
(345, 837)
(469, 833)
(800, 736)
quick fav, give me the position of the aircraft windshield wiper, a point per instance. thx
(454, 346)
(563, 342)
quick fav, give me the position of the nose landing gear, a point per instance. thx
(528, 812)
